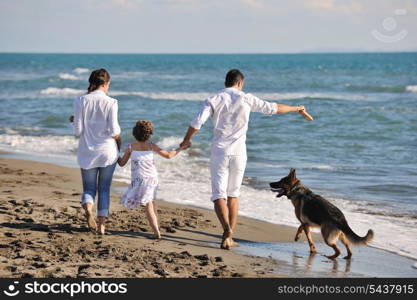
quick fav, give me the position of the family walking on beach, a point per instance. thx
(96, 124)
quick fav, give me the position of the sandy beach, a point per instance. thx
(43, 234)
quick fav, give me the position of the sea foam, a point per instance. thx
(52, 91)
(39, 145)
(81, 70)
(411, 88)
(199, 96)
(68, 76)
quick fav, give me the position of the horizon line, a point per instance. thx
(215, 53)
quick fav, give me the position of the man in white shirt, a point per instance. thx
(229, 110)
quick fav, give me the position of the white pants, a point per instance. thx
(226, 175)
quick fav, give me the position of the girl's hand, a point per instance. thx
(123, 160)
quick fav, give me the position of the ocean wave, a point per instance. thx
(21, 130)
(40, 145)
(81, 70)
(382, 88)
(411, 88)
(164, 95)
(68, 76)
(302, 167)
(62, 92)
(199, 96)
(376, 88)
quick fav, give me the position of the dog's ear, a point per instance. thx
(292, 175)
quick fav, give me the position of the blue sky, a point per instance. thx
(207, 26)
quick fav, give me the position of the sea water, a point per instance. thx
(359, 152)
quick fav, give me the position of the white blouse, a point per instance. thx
(229, 110)
(95, 123)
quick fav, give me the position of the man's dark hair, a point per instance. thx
(233, 77)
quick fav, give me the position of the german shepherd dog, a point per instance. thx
(314, 211)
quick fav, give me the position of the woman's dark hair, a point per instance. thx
(97, 79)
(142, 130)
(233, 77)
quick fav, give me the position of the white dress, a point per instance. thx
(144, 182)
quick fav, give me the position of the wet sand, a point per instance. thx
(365, 262)
(43, 234)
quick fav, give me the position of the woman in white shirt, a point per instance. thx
(96, 124)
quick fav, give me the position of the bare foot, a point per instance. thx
(234, 243)
(101, 229)
(226, 240)
(349, 256)
(90, 218)
(332, 256)
(226, 244)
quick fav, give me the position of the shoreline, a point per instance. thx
(190, 245)
(119, 184)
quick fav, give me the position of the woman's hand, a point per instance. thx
(118, 140)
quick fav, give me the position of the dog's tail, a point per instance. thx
(354, 238)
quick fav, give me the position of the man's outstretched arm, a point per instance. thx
(187, 138)
(270, 108)
(283, 109)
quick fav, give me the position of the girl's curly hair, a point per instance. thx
(142, 130)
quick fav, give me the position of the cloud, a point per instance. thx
(321, 4)
(125, 2)
(346, 7)
(253, 3)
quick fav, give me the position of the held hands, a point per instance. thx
(185, 145)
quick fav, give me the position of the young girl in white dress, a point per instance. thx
(142, 190)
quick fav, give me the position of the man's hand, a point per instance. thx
(187, 138)
(185, 144)
(71, 118)
(300, 108)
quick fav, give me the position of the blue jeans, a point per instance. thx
(98, 179)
